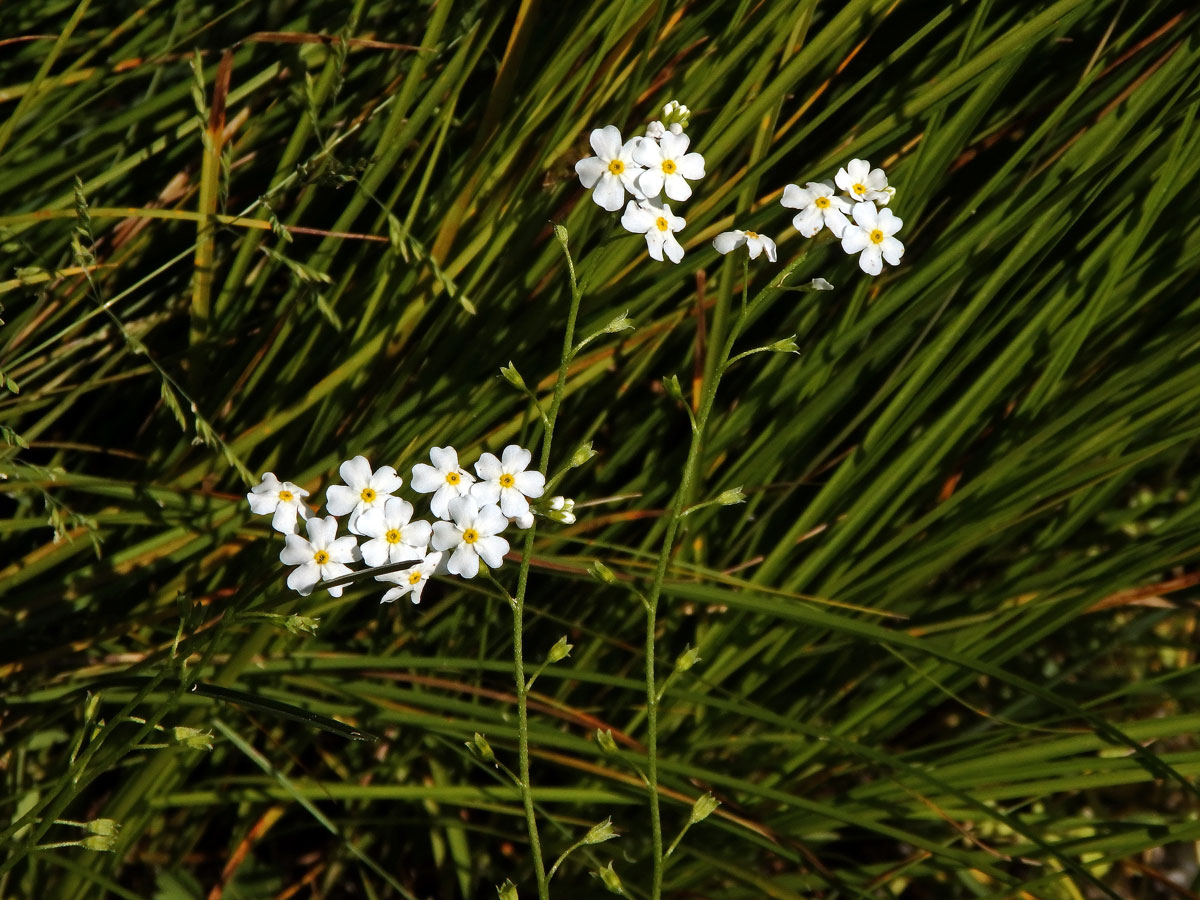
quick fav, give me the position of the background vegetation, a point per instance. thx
(946, 645)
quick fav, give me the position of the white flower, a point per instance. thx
(411, 580)
(366, 489)
(658, 225)
(444, 478)
(862, 182)
(668, 164)
(473, 534)
(320, 558)
(756, 243)
(394, 538)
(506, 482)
(282, 498)
(871, 235)
(818, 206)
(655, 130)
(612, 170)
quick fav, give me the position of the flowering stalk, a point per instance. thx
(518, 601)
(675, 514)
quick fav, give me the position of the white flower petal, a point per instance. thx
(676, 188)
(372, 523)
(486, 492)
(837, 221)
(296, 551)
(464, 562)
(284, 520)
(589, 170)
(425, 478)
(416, 534)
(531, 484)
(397, 512)
(385, 480)
(513, 504)
(866, 215)
(439, 503)
(674, 145)
(888, 222)
(376, 552)
(795, 197)
(463, 511)
(609, 192)
(870, 260)
(650, 182)
(673, 247)
(892, 250)
(492, 550)
(516, 458)
(304, 578)
(444, 458)
(808, 222)
(606, 142)
(690, 166)
(769, 246)
(445, 536)
(490, 520)
(654, 244)
(263, 504)
(321, 532)
(728, 241)
(344, 550)
(340, 500)
(648, 154)
(488, 467)
(356, 472)
(858, 169)
(854, 240)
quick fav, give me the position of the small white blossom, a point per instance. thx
(612, 171)
(655, 130)
(363, 490)
(282, 500)
(322, 557)
(473, 534)
(444, 478)
(394, 539)
(525, 521)
(658, 225)
(818, 207)
(862, 182)
(411, 580)
(754, 242)
(562, 509)
(871, 235)
(668, 166)
(505, 481)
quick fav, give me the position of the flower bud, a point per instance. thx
(687, 659)
(820, 284)
(703, 808)
(561, 509)
(100, 842)
(600, 833)
(481, 748)
(731, 497)
(507, 891)
(605, 740)
(675, 113)
(601, 572)
(610, 879)
(561, 650)
(620, 323)
(512, 376)
(193, 738)
(104, 827)
(578, 458)
(674, 391)
(787, 345)
(560, 234)
(296, 624)
(655, 130)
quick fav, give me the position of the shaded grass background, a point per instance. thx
(947, 642)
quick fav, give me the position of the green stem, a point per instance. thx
(518, 601)
(674, 516)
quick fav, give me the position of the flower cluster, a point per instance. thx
(871, 233)
(471, 512)
(646, 167)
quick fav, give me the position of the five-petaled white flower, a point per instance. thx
(754, 242)
(363, 490)
(612, 171)
(818, 206)
(282, 499)
(394, 539)
(411, 580)
(444, 478)
(505, 481)
(668, 166)
(658, 225)
(862, 182)
(322, 557)
(871, 235)
(473, 534)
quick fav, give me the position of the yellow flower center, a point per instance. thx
(661, 224)
(286, 497)
(470, 536)
(858, 188)
(822, 203)
(753, 235)
(876, 236)
(393, 536)
(453, 478)
(616, 167)
(368, 495)
(507, 481)
(415, 578)
(320, 557)
(669, 166)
